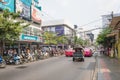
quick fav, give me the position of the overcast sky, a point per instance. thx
(79, 12)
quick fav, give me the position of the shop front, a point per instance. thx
(115, 25)
(29, 41)
(25, 42)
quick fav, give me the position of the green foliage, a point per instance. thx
(61, 40)
(86, 42)
(10, 26)
(75, 40)
(78, 41)
(51, 38)
(102, 39)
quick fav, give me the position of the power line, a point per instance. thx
(91, 29)
(91, 22)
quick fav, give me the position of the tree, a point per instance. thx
(75, 40)
(61, 39)
(52, 38)
(49, 38)
(102, 39)
(80, 41)
(11, 26)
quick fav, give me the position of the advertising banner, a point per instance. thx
(36, 15)
(36, 1)
(59, 30)
(8, 4)
(27, 2)
(24, 10)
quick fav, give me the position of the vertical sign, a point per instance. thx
(36, 14)
(24, 9)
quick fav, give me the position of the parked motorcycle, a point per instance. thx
(15, 59)
(2, 62)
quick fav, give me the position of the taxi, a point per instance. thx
(69, 52)
(87, 52)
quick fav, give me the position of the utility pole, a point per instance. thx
(112, 15)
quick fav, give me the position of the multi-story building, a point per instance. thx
(60, 27)
(31, 12)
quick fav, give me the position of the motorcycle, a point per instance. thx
(15, 59)
(2, 62)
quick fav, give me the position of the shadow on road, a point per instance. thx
(21, 67)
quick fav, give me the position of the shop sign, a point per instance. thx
(27, 37)
(8, 4)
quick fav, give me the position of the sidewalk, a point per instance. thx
(108, 68)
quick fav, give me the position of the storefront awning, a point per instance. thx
(114, 22)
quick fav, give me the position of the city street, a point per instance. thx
(55, 68)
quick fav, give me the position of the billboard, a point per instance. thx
(36, 1)
(8, 4)
(59, 30)
(24, 10)
(27, 2)
(36, 14)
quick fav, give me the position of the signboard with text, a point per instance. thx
(59, 30)
(27, 2)
(25, 37)
(8, 4)
(36, 14)
(24, 10)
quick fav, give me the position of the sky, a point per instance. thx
(79, 12)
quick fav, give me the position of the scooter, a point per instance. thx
(2, 62)
(16, 59)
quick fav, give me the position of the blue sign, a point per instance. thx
(8, 4)
(29, 38)
(26, 12)
(59, 30)
(36, 1)
(27, 2)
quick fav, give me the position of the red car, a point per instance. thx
(87, 52)
(69, 52)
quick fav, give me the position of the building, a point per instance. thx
(106, 19)
(60, 27)
(30, 10)
(114, 36)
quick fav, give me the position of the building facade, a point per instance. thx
(60, 27)
(30, 11)
(106, 19)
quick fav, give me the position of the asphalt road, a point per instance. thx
(55, 68)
